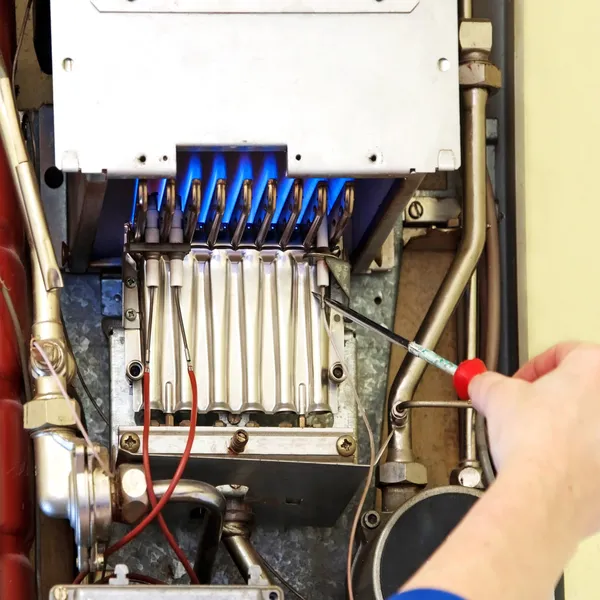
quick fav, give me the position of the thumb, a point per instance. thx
(490, 389)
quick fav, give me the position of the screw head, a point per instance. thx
(130, 282)
(346, 445)
(371, 519)
(234, 419)
(415, 210)
(130, 442)
(60, 593)
(130, 314)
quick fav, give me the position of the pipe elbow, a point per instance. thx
(53, 472)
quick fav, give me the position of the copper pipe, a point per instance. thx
(492, 324)
(469, 447)
(465, 262)
(245, 557)
(468, 253)
(25, 182)
(16, 516)
(212, 501)
(493, 321)
(466, 9)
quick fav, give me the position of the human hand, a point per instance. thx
(548, 417)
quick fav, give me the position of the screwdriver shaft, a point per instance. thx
(429, 356)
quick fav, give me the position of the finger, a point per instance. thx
(491, 389)
(546, 362)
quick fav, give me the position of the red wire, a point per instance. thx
(151, 495)
(176, 479)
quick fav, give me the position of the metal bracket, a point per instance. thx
(381, 221)
(84, 214)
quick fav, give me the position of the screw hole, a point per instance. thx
(298, 157)
(444, 65)
(142, 158)
(337, 318)
(273, 596)
(373, 157)
(53, 178)
(378, 300)
(165, 158)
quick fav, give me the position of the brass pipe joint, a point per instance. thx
(475, 39)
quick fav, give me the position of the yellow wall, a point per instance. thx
(558, 193)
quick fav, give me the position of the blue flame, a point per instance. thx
(161, 192)
(218, 171)
(267, 171)
(335, 188)
(136, 184)
(310, 188)
(194, 171)
(214, 166)
(284, 188)
(242, 172)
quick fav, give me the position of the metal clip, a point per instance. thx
(340, 213)
(192, 210)
(291, 212)
(240, 215)
(216, 211)
(318, 209)
(141, 210)
(167, 210)
(266, 211)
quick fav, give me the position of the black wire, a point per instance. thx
(86, 389)
(280, 577)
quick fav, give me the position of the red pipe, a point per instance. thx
(16, 510)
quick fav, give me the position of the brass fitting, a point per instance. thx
(480, 74)
(133, 494)
(394, 473)
(475, 35)
(476, 71)
(48, 410)
(57, 354)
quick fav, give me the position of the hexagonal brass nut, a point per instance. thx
(475, 35)
(396, 472)
(48, 412)
(133, 494)
(480, 74)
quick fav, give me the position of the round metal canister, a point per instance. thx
(408, 539)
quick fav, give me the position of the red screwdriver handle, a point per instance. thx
(465, 372)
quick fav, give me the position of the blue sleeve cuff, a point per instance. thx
(425, 595)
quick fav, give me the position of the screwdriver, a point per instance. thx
(462, 374)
